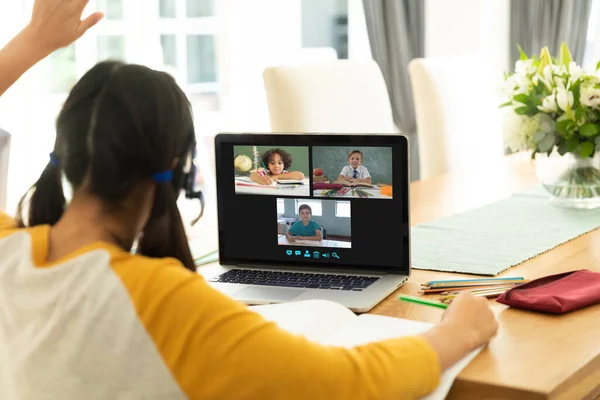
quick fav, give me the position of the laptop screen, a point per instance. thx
(320, 200)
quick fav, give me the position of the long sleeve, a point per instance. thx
(218, 349)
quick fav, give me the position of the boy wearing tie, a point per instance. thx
(355, 172)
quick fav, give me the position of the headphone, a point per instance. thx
(185, 179)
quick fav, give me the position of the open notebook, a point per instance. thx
(246, 181)
(330, 323)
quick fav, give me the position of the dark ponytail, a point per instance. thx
(47, 201)
(164, 234)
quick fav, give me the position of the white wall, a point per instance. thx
(469, 27)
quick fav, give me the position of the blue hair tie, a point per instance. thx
(54, 160)
(160, 177)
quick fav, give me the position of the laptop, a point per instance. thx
(312, 216)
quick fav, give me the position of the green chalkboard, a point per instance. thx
(299, 155)
(378, 160)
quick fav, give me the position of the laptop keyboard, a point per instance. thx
(296, 279)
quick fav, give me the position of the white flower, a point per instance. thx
(523, 82)
(547, 77)
(575, 72)
(525, 67)
(549, 104)
(564, 98)
(511, 131)
(590, 96)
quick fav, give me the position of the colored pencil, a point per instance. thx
(417, 300)
(515, 278)
(459, 289)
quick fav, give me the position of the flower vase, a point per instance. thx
(572, 181)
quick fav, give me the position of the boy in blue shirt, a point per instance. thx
(305, 229)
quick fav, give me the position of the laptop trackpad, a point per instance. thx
(268, 294)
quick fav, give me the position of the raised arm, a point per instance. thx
(54, 24)
(290, 175)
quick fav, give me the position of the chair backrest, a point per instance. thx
(4, 153)
(458, 120)
(324, 232)
(338, 97)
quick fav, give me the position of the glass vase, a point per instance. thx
(572, 181)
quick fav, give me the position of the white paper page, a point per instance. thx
(314, 319)
(249, 182)
(370, 328)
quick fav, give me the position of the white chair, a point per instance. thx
(4, 152)
(458, 120)
(338, 97)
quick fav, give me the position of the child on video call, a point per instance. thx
(305, 229)
(355, 172)
(277, 163)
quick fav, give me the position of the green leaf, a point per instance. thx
(566, 127)
(508, 103)
(522, 110)
(522, 53)
(545, 59)
(562, 148)
(521, 98)
(589, 130)
(586, 149)
(565, 55)
(576, 89)
(598, 65)
(571, 144)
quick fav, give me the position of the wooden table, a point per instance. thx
(534, 356)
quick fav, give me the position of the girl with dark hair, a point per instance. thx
(277, 163)
(81, 317)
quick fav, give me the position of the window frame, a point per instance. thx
(310, 202)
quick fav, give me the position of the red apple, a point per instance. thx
(317, 172)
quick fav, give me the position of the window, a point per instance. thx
(169, 48)
(315, 205)
(201, 62)
(325, 24)
(63, 65)
(167, 8)
(188, 42)
(200, 8)
(280, 206)
(342, 209)
(111, 47)
(592, 43)
(112, 9)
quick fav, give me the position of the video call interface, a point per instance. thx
(319, 205)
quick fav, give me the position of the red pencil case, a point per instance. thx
(556, 294)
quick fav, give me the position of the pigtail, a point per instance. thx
(47, 201)
(164, 234)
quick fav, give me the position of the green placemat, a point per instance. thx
(495, 237)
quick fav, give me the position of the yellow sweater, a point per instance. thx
(102, 323)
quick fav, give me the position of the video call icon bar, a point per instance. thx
(315, 254)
